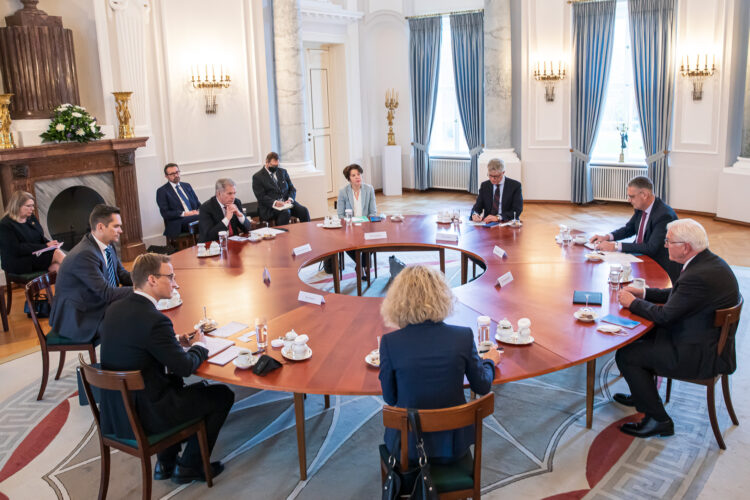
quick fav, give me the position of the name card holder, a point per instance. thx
(303, 249)
(505, 279)
(499, 252)
(446, 236)
(312, 298)
(377, 235)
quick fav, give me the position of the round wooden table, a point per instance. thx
(344, 329)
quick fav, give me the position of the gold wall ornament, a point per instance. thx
(391, 103)
(124, 130)
(549, 78)
(697, 74)
(209, 86)
(6, 138)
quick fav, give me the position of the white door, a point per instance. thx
(318, 114)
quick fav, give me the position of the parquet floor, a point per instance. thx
(730, 241)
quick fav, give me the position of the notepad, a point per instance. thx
(619, 320)
(225, 357)
(595, 298)
(215, 345)
(229, 329)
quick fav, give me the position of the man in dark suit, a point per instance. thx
(648, 224)
(684, 342)
(89, 279)
(222, 212)
(136, 336)
(274, 189)
(499, 198)
(177, 202)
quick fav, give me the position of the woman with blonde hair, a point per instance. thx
(423, 363)
(21, 235)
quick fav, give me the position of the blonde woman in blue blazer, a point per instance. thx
(357, 196)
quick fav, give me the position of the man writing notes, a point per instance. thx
(136, 336)
(222, 213)
(684, 342)
(274, 190)
(177, 202)
(89, 279)
(499, 198)
(648, 224)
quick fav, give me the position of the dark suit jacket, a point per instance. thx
(171, 208)
(210, 217)
(687, 313)
(136, 336)
(16, 247)
(653, 236)
(423, 366)
(267, 191)
(511, 201)
(82, 292)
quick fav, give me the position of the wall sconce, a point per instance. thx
(549, 78)
(696, 74)
(209, 86)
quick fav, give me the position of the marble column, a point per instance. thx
(745, 148)
(497, 74)
(290, 84)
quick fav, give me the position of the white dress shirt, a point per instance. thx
(357, 205)
(102, 248)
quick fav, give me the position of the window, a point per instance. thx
(447, 137)
(620, 106)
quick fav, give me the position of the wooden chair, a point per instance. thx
(52, 341)
(727, 319)
(18, 279)
(3, 310)
(185, 240)
(143, 446)
(461, 479)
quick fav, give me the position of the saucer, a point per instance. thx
(168, 305)
(578, 316)
(444, 221)
(371, 360)
(277, 343)
(596, 257)
(209, 254)
(288, 354)
(611, 329)
(509, 340)
(397, 218)
(236, 362)
(516, 224)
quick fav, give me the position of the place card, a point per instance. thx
(303, 249)
(377, 235)
(505, 279)
(499, 252)
(312, 298)
(246, 337)
(446, 236)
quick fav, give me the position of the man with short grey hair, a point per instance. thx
(499, 197)
(222, 212)
(684, 342)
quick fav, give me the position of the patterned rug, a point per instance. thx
(535, 444)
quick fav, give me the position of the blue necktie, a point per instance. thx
(182, 195)
(111, 275)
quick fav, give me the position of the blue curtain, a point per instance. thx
(467, 37)
(593, 36)
(653, 33)
(424, 62)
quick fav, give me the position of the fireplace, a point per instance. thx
(68, 215)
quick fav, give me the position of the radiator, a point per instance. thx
(611, 183)
(449, 173)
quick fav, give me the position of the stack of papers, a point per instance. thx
(266, 230)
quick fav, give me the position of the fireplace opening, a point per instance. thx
(68, 214)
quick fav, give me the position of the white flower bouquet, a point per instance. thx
(72, 123)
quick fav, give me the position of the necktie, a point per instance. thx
(111, 275)
(229, 227)
(641, 228)
(184, 198)
(496, 201)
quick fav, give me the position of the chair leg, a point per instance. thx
(712, 417)
(60, 366)
(205, 457)
(3, 311)
(327, 401)
(104, 481)
(45, 372)
(9, 295)
(728, 399)
(669, 390)
(146, 474)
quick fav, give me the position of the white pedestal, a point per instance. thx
(392, 170)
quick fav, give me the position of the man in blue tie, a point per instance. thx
(177, 202)
(93, 279)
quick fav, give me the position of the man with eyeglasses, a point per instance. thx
(178, 203)
(136, 336)
(499, 198)
(648, 224)
(684, 342)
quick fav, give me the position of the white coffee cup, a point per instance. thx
(524, 328)
(580, 239)
(289, 339)
(244, 357)
(299, 346)
(639, 283)
(627, 270)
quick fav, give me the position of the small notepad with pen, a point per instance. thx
(594, 298)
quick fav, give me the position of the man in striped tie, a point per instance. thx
(648, 224)
(93, 279)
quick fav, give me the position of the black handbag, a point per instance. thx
(416, 483)
(41, 307)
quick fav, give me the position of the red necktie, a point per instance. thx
(496, 201)
(641, 228)
(229, 227)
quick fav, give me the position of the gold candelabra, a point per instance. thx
(549, 78)
(209, 86)
(696, 74)
(124, 129)
(391, 103)
(6, 138)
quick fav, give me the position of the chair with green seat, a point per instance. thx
(18, 279)
(185, 240)
(52, 341)
(143, 446)
(460, 479)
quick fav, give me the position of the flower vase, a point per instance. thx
(124, 130)
(622, 156)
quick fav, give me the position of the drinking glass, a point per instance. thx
(614, 278)
(348, 216)
(223, 239)
(483, 334)
(261, 333)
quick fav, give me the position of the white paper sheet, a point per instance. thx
(228, 330)
(225, 357)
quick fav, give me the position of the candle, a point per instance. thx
(206, 71)
(221, 73)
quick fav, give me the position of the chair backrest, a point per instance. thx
(193, 227)
(444, 419)
(43, 283)
(124, 382)
(727, 319)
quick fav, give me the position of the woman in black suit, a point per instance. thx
(21, 235)
(423, 364)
